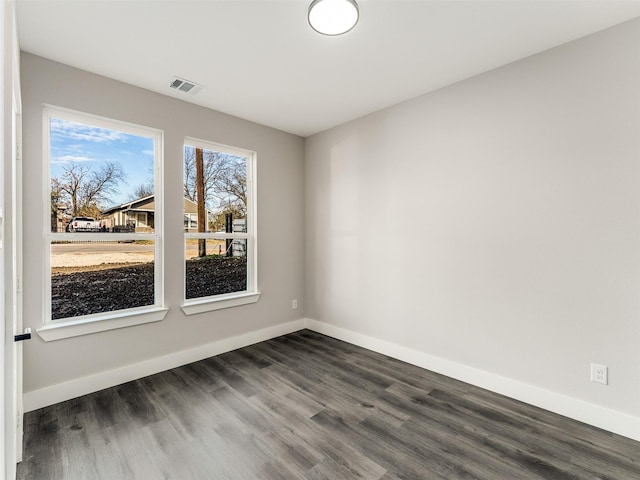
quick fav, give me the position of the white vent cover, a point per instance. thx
(185, 86)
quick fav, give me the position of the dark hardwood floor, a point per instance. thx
(306, 406)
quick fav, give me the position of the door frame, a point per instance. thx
(11, 238)
(16, 274)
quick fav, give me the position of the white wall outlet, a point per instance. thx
(294, 304)
(599, 374)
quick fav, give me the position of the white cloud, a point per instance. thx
(78, 131)
(148, 152)
(71, 159)
(74, 147)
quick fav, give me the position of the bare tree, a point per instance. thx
(142, 190)
(225, 180)
(219, 220)
(56, 204)
(211, 170)
(86, 190)
(216, 181)
(230, 186)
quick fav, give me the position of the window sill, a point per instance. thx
(226, 301)
(74, 328)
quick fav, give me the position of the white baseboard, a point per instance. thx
(601, 417)
(99, 381)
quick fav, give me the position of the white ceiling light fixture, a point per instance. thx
(333, 17)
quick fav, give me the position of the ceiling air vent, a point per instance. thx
(185, 86)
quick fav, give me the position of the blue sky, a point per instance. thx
(76, 143)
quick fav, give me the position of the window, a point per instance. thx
(190, 222)
(219, 223)
(104, 243)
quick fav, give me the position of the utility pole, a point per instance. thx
(228, 228)
(202, 216)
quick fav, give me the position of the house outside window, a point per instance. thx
(102, 262)
(220, 239)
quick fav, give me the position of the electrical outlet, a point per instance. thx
(599, 374)
(294, 304)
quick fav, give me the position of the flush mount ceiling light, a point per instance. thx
(333, 17)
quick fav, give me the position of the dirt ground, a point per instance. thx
(74, 262)
(82, 290)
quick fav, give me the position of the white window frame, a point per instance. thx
(191, 223)
(251, 294)
(98, 322)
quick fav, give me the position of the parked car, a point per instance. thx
(83, 224)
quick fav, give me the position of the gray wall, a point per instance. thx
(280, 249)
(493, 223)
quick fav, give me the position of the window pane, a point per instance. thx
(215, 191)
(102, 180)
(215, 267)
(97, 277)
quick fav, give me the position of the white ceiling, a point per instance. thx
(260, 60)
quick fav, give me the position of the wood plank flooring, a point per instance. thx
(306, 406)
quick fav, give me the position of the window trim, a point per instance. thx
(102, 321)
(220, 302)
(252, 293)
